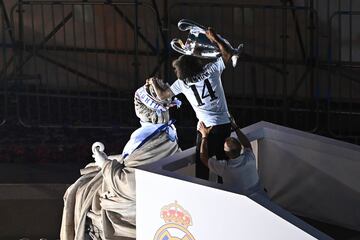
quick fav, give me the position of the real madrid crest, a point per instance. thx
(177, 220)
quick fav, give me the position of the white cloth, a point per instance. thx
(206, 96)
(240, 172)
(107, 196)
(149, 101)
(143, 133)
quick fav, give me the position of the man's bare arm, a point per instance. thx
(243, 139)
(225, 49)
(204, 154)
(241, 136)
(204, 157)
(160, 92)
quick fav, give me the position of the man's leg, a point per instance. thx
(216, 141)
(201, 171)
(219, 134)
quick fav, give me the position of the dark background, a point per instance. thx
(69, 69)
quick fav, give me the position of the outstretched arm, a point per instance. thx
(160, 92)
(241, 136)
(225, 48)
(204, 154)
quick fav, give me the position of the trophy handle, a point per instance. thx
(199, 45)
(178, 46)
(186, 24)
(236, 54)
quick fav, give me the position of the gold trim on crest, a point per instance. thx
(175, 217)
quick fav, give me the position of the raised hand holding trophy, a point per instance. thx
(197, 44)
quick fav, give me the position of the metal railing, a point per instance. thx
(276, 79)
(7, 54)
(78, 63)
(343, 76)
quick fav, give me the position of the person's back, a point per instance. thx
(206, 94)
(203, 88)
(239, 173)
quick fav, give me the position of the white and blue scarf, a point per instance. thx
(148, 130)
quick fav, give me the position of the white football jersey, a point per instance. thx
(206, 96)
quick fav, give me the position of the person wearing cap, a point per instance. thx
(239, 170)
(201, 83)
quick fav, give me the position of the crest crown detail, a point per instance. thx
(174, 213)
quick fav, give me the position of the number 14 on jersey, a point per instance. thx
(207, 91)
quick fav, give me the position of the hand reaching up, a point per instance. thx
(233, 123)
(211, 35)
(204, 130)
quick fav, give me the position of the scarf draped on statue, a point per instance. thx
(105, 197)
(146, 132)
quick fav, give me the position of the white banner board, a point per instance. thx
(169, 208)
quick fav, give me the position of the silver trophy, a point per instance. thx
(197, 44)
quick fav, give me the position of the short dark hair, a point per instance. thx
(187, 66)
(235, 147)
